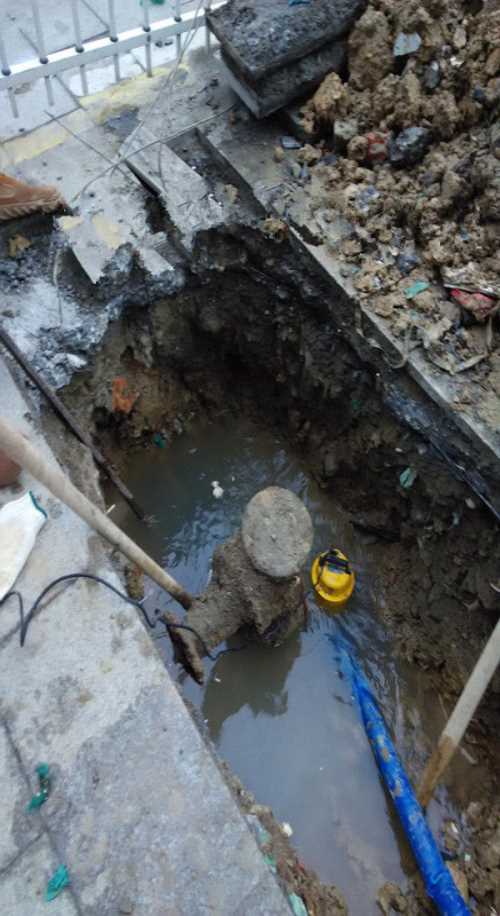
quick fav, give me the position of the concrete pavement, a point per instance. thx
(138, 812)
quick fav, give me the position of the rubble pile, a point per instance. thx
(410, 198)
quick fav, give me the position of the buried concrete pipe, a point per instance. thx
(256, 580)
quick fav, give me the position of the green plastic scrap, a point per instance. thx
(59, 880)
(297, 905)
(43, 773)
(159, 440)
(271, 861)
(418, 287)
(408, 477)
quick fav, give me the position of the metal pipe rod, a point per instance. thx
(76, 26)
(112, 20)
(39, 32)
(49, 90)
(145, 16)
(13, 103)
(208, 34)
(3, 58)
(113, 36)
(178, 18)
(149, 59)
(83, 79)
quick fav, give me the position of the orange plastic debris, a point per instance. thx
(122, 399)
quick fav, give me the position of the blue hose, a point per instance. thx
(438, 881)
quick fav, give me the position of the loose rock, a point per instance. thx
(410, 146)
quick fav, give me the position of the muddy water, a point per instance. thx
(283, 718)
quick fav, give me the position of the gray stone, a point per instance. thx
(261, 36)
(277, 532)
(410, 146)
(432, 76)
(344, 129)
(406, 43)
(407, 260)
(289, 82)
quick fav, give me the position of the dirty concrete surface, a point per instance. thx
(138, 811)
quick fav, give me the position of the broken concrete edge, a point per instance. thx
(290, 82)
(262, 36)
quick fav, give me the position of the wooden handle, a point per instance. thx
(21, 450)
(454, 729)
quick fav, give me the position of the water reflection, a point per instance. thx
(283, 718)
(253, 680)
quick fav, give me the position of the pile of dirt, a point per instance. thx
(411, 194)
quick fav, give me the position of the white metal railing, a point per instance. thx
(81, 53)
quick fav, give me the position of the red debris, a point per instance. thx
(122, 400)
(9, 471)
(479, 304)
(378, 142)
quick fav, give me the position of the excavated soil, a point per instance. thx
(254, 338)
(405, 181)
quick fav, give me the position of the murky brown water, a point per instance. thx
(283, 718)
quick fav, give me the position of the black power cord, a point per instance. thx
(26, 619)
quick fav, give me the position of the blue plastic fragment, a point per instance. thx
(438, 881)
(297, 2)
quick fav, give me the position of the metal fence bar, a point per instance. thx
(113, 36)
(99, 49)
(206, 6)
(79, 44)
(3, 58)
(147, 36)
(42, 50)
(13, 103)
(178, 18)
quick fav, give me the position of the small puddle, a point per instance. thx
(283, 718)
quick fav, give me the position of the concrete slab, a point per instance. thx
(261, 36)
(34, 108)
(138, 812)
(20, 828)
(186, 195)
(292, 80)
(23, 885)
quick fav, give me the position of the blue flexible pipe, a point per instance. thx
(438, 881)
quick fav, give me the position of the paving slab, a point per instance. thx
(138, 812)
(23, 885)
(263, 35)
(33, 106)
(20, 828)
(289, 82)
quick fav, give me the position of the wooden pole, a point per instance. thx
(20, 450)
(454, 729)
(70, 421)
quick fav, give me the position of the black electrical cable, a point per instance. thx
(26, 620)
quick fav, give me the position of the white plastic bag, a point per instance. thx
(20, 522)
